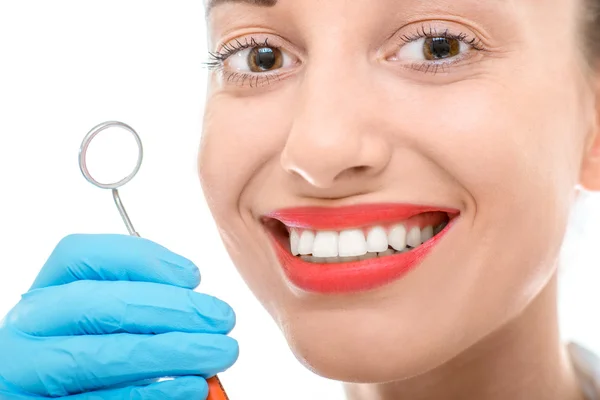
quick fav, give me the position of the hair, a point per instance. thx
(592, 28)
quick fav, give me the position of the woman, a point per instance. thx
(393, 181)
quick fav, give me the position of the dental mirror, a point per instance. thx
(110, 158)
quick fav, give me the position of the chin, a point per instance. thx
(365, 347)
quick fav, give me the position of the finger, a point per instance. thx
(4, 395)
(96, 307)
(183, 388)
(115, 258)
(68, 365)
(9, 391)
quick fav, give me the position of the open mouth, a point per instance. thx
(354, 248)
(360, 243)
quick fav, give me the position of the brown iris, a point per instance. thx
(263, 59)
(436, 48)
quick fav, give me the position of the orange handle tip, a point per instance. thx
(216, 391)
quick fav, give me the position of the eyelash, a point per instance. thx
(230, 49)
(423, 32)
(218, 58)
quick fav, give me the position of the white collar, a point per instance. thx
(587, 368)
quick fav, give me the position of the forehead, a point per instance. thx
(263, 3)
(209, 4)
(393, 5)
(506, 18)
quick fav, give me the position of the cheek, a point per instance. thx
(241, 135)
(514, 151)
(497, 142)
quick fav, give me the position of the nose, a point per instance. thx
(335, 137)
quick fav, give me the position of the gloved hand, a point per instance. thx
(106, 317)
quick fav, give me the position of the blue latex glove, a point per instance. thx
(106, 316)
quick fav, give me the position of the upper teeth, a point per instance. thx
(353, 243)
(326, 244)
(377, 240)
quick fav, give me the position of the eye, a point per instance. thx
(259, 59)
(432, 49)
(247, 62)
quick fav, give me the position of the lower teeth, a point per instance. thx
(334, 260)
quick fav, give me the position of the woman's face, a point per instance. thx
(482, 108)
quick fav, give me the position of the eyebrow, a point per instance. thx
(259, 3)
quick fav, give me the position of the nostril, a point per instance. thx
(353, 171)
(360, 168)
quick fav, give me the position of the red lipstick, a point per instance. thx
(356, 275)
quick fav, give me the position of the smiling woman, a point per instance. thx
(406, 157)
(392, 179)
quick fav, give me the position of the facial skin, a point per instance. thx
(503, 134)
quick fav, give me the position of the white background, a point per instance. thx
(66, 66)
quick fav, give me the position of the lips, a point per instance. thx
(355, 275)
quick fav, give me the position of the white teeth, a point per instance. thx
(325, 244)
(377, 239)
(426, 233)
(329, 247)
(352, 243)
(413, 238)
(397, 237)
(305, 246)
(294, 242)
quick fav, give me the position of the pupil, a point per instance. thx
(440, 47)
(265, 58)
